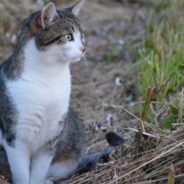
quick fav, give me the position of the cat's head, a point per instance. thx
(58, 33)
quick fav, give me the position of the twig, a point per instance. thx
(149, 97)
(144, 133)
(131, 114)
(161, 179)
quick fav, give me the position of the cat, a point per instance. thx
(43, 138)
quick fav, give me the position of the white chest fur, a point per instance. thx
(41, 97)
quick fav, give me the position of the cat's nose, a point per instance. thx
(83, 49)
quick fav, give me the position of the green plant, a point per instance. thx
(5, 21)
(161, 59)
(161, 64)
(113, 53)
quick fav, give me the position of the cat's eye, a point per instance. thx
(68, 37)
(65, 38)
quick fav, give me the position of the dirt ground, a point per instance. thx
(105, 83)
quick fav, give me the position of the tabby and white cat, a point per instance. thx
(37, 132)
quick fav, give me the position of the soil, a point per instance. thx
(106, 82)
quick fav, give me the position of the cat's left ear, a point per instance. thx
(48, 14)
(75, 9)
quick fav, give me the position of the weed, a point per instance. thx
(5, 22)
(113, 53)
(161, 62)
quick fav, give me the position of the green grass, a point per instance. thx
(5, 22)
(161, 57)
(112, 54)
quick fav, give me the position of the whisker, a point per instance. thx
(89, 57)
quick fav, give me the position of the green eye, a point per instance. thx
(69, 37)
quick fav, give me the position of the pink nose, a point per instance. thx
(83, 49)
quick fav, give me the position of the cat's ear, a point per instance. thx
(75, 9)
(48, 14)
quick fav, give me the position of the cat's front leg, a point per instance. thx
(40, 165)
(19, 161)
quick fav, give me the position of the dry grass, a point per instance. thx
(140, 163)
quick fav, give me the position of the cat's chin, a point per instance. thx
(72, 60)
(76, 60)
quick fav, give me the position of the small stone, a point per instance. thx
(103, 128)
(8, 35)
(109, 118)
(40, 2)
(13, 39)
(96, 126)
(121, 42)
(118, 81)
